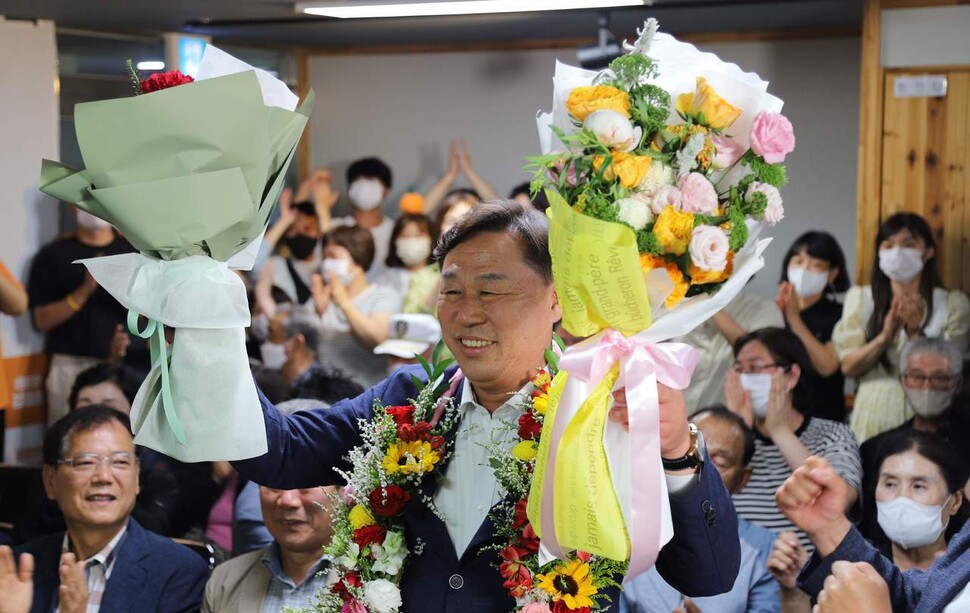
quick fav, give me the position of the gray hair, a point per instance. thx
(301, 322)
(932, 346)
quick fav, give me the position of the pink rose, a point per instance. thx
(728, 150)
(698, 194)
(709, 247)
(772, 137)
(536, 607)
(668, 195)
(774, 212)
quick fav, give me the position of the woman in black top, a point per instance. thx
(812, 273)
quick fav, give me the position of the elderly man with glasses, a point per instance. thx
(105, 561)
(930, 371)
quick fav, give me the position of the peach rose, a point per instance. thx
(698, 194)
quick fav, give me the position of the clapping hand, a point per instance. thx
(912, 312)
(16, 584)
(787, 301)
(779, 406)
(786, 560)
(72, 595)
(321, 293)
(738, 399)
(120, 341)
(324, 196)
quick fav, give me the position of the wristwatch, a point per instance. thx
(694, 457)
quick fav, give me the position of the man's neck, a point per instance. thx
(294, 368)
(96, 238)
(368, 219)
(297, 564)
(88, 542)
(924, 424)
(493, 396)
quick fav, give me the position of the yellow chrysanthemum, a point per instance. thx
(684, 132)
(359, 517)
(414, 457)
(673, 230)
(542, 378)
(649, 262)
(628, 168)
(699, 276)
(571, 583)
(584, 100)
(525, 451)
(540, 404)
(707, 107)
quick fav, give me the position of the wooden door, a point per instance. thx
(925, 153)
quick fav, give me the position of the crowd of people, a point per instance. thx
(834, 415)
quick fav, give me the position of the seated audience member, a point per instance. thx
(323, 386)
(113, 386)
(458, 163)
(291, 570)
(411, 336)
(522, 194)
(814, 498)
(412, 240)
(730, 444)
(714, 340)
(105, 560)
(766, 388)
(930, 375)
(354, 313)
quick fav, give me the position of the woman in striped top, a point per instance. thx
(767, 390)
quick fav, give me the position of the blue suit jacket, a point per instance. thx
(912, 591)
(150, 573)
(701, 560)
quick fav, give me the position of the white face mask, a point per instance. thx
(339, 267)
(928, 403)
(90, 222)
(910, 524)
(901, 264)
(759, 386)
(414, 250)
(807, 282)
(273, 354)
(366, 194)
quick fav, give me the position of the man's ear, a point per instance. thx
(48, 475)
(746, 473)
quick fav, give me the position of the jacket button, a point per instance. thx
(706, 506)
(456, 581)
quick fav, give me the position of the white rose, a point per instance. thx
(634, 211)
(382, 596)
(613, 130)
(774, 212)
(709, 247)
(668, 195)
(658, 176)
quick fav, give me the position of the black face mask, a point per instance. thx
(301, 246)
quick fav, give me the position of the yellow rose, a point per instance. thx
(526, 450)
(584, 100)
(699, 276)
(629, 169)
(717, 113)
(359, 517)
(540, 404)
(649, 262)
(673, 229)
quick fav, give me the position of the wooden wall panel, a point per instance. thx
(871, 126)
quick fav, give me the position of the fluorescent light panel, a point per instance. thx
(355, 10)
(150, 65)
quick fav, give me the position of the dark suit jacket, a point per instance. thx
(701, 560)
(911, 591)
(150, 573)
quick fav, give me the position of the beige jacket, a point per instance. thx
(238, 585)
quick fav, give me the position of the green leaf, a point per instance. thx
(438, 350)
(418, 383)
(424, 364)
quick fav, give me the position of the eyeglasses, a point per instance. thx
(83, 463)
(918, 379)
(757, 369)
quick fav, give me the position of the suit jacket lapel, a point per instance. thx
(129, 571)
(46, 579)
(252, 589)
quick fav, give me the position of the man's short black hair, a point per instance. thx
(372, 168)
(719, 411)
(56, 441)
(330, 386)
(529, 226)
(125, 378)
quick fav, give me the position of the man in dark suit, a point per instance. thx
(105, 560)
(497, 306)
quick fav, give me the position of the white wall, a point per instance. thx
(405, 108)
(931, 36)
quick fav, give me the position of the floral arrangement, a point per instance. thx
(402, 446)
(573, 584)
(673, 171)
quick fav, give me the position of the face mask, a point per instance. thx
(413, 251)
(273, 354)
(366, 194)
(301, 246)
(90, 222)
(928, 403)
(910, 524)
(901, 264)
(807, 282)
(339, 267)
(759, 386)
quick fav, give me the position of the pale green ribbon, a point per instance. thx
(155, 333)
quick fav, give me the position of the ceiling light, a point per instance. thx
(150, 65)
(365, 9)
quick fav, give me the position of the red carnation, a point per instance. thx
(527, 535)
(372, 534)
(164, 80)
(401, 414)
(529, 428)
(341, 588)
(518, 581)
(560, 606)
(420, 431)
(388, 501)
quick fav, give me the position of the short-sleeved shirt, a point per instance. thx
(340, 350)
(53, 275)
(828, 393)
(828, 439)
